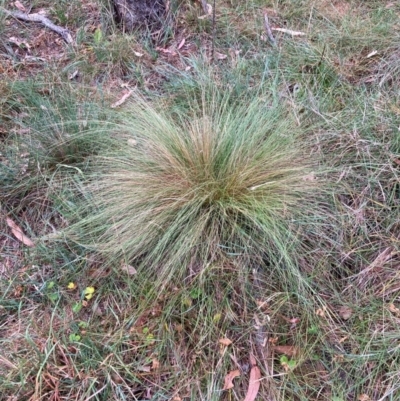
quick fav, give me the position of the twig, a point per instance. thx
(268, 30)
(289, 31)
(63, 32)
(213, 33)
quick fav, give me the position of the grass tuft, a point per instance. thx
(226, 180)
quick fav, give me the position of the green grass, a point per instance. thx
(227, 181)
(308, 258)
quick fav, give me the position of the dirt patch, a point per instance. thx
(133, 14)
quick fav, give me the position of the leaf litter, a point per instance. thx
(254, 381)
(18, 233)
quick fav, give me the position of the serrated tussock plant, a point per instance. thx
(224, 180)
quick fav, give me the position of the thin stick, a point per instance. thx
(268, 30)
(213, 34)
(63, 32)
(289, 31)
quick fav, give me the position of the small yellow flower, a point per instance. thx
(89, 291)
(71, 286)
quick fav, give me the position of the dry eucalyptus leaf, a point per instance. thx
(155, 364)
(20, 6)
(18, 233)
(254, 382)
(181, 44)
(228, 381)
(288, 350)
(129, 269)
(225, 341)
(220, 56)
(122, 100)
(394, 309)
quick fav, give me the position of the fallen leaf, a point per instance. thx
(320, 312)
(254, 382)
(225, 341)
(129, 269)
(220, 56)
(20, 6)
(18, 234)
(289, 31)
(345, 312)
(181, 44)
(18, 290)
(363, 397)
(71, 286)
(122, 100)
(155, 364)
(289, 350)
(228, 381)
(394, 309)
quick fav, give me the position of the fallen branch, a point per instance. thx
(63, 32)
(268, 30)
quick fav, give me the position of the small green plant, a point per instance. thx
(287, 364)
(76, 308)
(51, 292)
(74, 337)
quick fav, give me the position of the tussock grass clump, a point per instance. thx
(184, 191)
